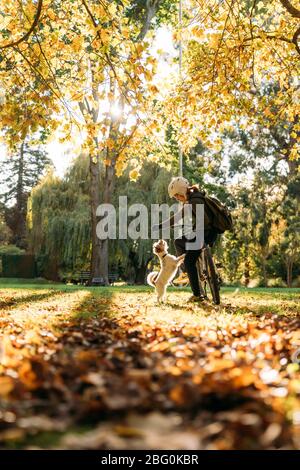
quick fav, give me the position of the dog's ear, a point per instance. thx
(156, 248)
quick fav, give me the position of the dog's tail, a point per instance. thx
(151, 278)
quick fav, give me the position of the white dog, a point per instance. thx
(168, 268)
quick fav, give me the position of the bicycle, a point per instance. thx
(208, 275)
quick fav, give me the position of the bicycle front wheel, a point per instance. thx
(212, 276)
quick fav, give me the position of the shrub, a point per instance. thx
(276, 282)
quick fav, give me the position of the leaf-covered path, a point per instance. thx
(107, 368)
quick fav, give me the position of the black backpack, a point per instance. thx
(221, 216)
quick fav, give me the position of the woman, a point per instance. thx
(180, 189)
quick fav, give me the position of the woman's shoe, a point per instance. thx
(196, 298)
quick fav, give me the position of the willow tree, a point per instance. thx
(290, 242)
(150, 188)
(59, 221)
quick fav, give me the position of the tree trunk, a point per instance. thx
(289, 273)
(264, 270)
(20, 179)
(247, 272)
(102, 246)
(151, 8)
(140, 274)
(99, 255)
(20, 234)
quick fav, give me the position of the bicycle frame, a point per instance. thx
(202, 275)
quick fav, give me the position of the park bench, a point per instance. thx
(84, 277)
(98, 281)
(113, 277)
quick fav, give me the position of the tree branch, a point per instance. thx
(295, 39)
(34, 24)
(151, 8)
(290, 8)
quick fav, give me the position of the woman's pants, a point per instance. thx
(189, 262)
(191, 258)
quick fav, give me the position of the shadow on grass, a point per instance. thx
(28, 299)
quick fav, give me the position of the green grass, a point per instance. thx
(42, 284)
(237, 300)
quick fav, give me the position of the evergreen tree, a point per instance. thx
(5, 233)
(21, 171)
